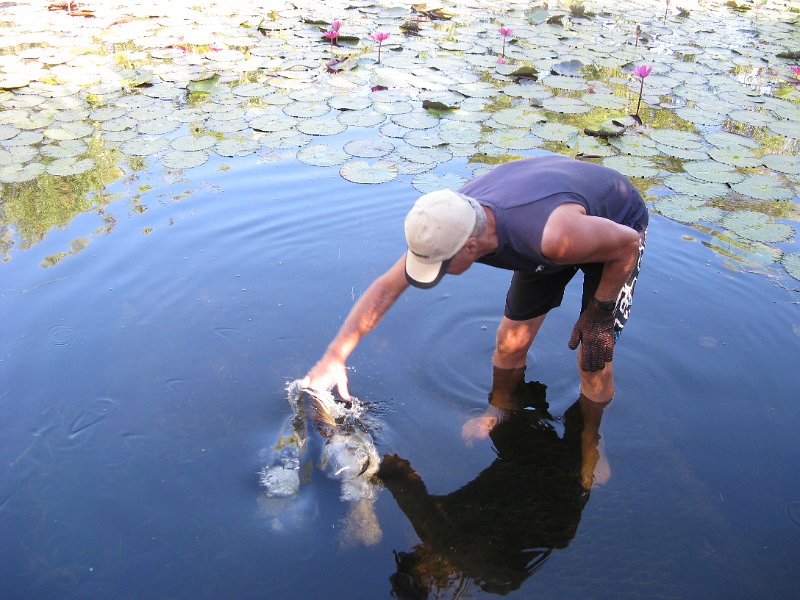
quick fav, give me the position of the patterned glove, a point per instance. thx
(595, 331)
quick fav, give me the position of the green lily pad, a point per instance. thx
(65, 149)
(724, 139)
(572, 106)
(15, 174)
(763, 187)
(554, 132)
(712, 171)
(631, 166)
(677, 138)
(144, 146)
(180, 159)
(427, 156)
(783, 163)
(416, 120)
(460, 132)
(322, 155)
(158, 126)
(423, 138)
(513, 139)
(70, 166)
(757, 227)
(361, 118)
(610, 101)
(430, 182)
(273, 122)
(361, 171)
(590, 146)
(687, 209)
(791, 262)
(518, 117)
(321, 127)
(236, 147)
(785, 128)
(306, 110)
(635, 145)
(750, 117)
(682, 153)
(368, 148)
(349, 102)
(192, 143)
(69, 131)
(736, 157)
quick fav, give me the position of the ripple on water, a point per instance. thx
(62, 335)
(793, 512)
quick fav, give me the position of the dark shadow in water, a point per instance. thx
(500, 528)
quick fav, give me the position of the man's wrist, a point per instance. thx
(604, 305)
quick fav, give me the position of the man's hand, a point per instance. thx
(328, 372)
(478, 428)
(595, 332)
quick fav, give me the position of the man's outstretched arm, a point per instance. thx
(363, 317)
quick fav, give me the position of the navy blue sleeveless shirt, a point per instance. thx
(523, 193)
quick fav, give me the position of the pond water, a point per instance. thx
(149, 338)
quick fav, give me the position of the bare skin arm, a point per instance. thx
(573, 237)
(363, 317)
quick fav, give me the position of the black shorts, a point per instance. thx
(533, 294)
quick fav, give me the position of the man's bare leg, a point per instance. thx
(514, 338)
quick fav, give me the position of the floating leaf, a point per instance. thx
(361, 171)
(368, 148)
(554, 132)
(322, 155)
(757, 227)
(687, 209)
(144, 146)
(791, 262)
(632, 166)
(236, 147)
(15, 174)
(677, 138)
(177, 159)
(191, 143)
(321, 127)
(782, 163)
(737, 157)
(712, 171)
(430, 182)
(513, 139)
(69, 166)
(763, 187)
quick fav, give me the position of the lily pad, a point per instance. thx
(192, 143)
(763, 187)
(460, 132)
(712, 171)
(513, 139)
(757, 227)
(368, 148)
(15, 174)
(783, 163)
(687, 209)
(737, 157)
(361, 171)
(554, 132)
(144, 146)
(236, 147)
(572, 106)
(322, 155)
(431, 182)
(69, 166)
(677, 138)
(791, 262)
(321, 127)
(179, 159)
(632, 166)
(361, 118)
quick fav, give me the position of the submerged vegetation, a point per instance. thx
(403, 90)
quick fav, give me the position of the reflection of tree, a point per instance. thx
(501, 527)
(34, 207)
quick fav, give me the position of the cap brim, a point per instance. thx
(424, 275)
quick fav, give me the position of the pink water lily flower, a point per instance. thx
(380, 37)
(505, 32)
(796, 70)
(331, 35)
(641, 72)
(335, 25)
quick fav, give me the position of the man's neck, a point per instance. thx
(488, 241)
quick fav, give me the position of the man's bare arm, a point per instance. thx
(363, 317)
(573, 237)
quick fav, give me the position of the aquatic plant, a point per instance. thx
(504, 32)
(331, 34)
(380, 37)
(641, 72)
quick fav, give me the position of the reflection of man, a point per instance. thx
(545, 218)
(500, 528)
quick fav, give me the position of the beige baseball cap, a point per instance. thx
(437, 227)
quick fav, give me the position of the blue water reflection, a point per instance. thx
(142, 379)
